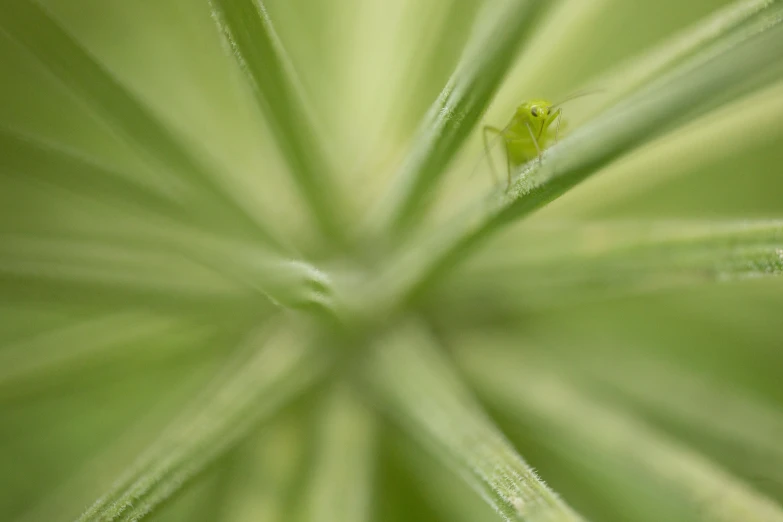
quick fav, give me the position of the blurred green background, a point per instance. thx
(370, 69)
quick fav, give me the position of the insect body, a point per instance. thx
(527, 134)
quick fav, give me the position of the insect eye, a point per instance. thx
(534, 112)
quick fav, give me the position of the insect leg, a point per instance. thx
(508, 169)
(535, 141)
(487, 149)
(559, 115)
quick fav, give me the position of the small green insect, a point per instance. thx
(527, 135)
(529, 132)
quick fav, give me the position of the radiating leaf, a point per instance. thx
(626, 126)
(446, 491)
(266, 375)
(586, 262)
(259, 52)
(45, 359)
(415, 384)
(528, 389)
(703, 145)
(67, 500)
(157, 265)
(341, 477)
(264, 473)
(744, 424)
(31, 26)
(495, 38)
(721, 29)
(23, 158)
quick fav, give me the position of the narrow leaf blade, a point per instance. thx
(36, 31)
(586, 262)
(497, 35)
(341, 478)
(249, 392)
(633, 122)
(535, 390)
(248, 30)
(417, 387)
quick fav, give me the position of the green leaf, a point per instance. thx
(47, 357)
(140, 200)
(266, 374)
(66, 501)
(416, 385)
(744, 424)
(717, 32)
(592, 261)
(704, 143)
(341, 476)
(498, 33)
(24, 158)
(626, 126)
(285, 281)
(447, 492)
(652, 111)
(166, 264)
(32, 28)
(528, 390)
(264, 473)
(104, 264)
(251, 37)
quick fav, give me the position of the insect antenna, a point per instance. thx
(578, 94)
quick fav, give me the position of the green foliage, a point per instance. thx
(499, 31)
(258, 51)
(236, 286)
(705, 491)
(600, 260)
(248, 391)
(426, 396)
